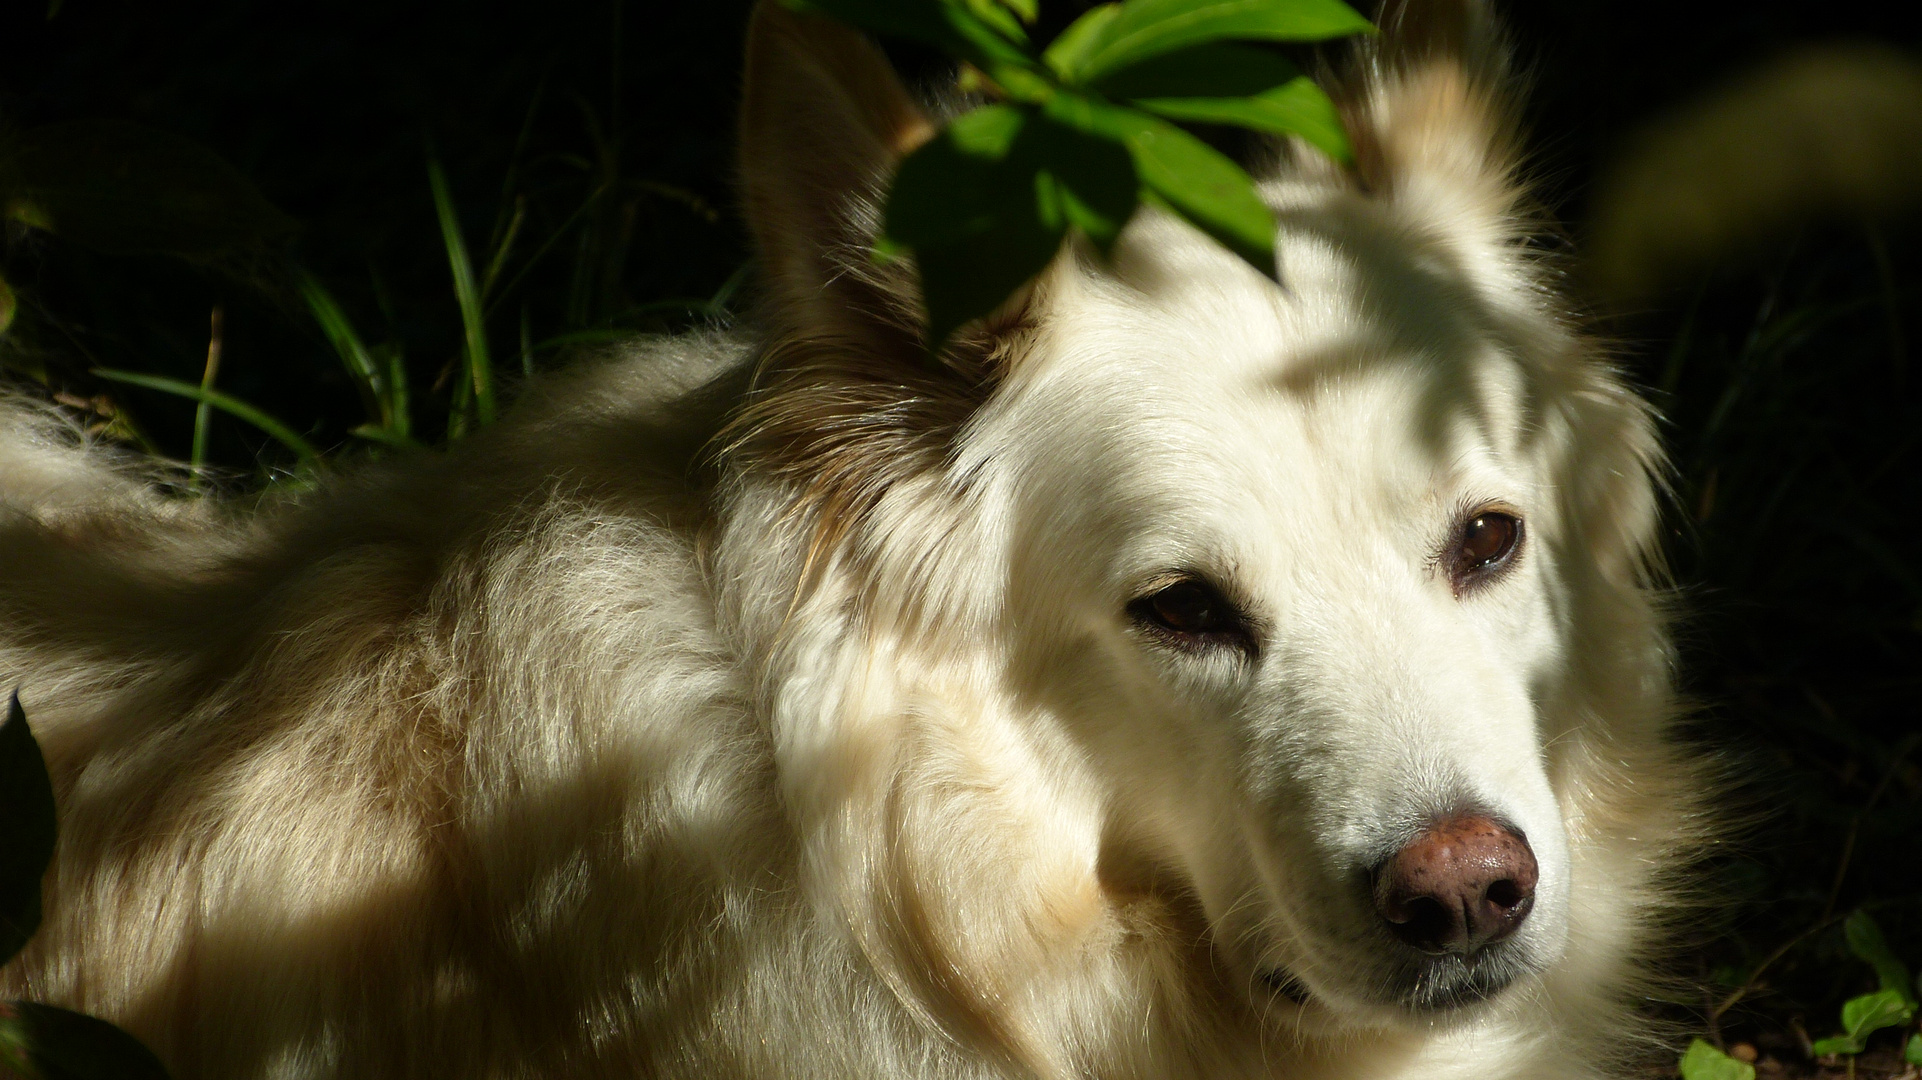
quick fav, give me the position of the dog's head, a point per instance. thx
(1328, 584)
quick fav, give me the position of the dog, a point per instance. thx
(1189, 674)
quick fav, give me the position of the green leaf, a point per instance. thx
(230, 405)
(1005, 182)
(1192, 178)
(968, 204)
(45, 1043)
(958, 184)
(966, 280)
(1082, 180)
(1912, 1050)
(987, 132)
(1216, 69)
(26, 808)
(1840, 1044)
(1002, 17)
(1296, 108)
(1069, 52)
(1702, 1061)
(1148, 28)
(1863, 1016)
(1867, 943)
(1026, 10)
(121, 187)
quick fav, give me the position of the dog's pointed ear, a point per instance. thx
(1427, 110)
(1459, 32)
(824, 121)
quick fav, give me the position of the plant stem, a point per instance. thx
(203, 413)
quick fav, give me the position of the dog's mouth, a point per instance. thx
(1429, 990)
(1449, 983)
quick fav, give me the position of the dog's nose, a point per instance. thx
(1466, 882)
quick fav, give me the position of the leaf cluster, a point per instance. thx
(1893, 1004)
(1081, 133)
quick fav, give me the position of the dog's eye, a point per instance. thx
(1193, 613)
(1485, 543)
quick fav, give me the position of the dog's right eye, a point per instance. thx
(1484, 545)
(1192, 613)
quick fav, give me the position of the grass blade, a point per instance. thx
(232, 406)
(203, 413)
(384, 436)
(505, 247)
(353, 352)
(400, 408)
(480, 369)
(723, 299)
(527, 345)
(547, 245)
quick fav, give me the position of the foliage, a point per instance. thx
(1890, 1006)
(1703, 1061)
(1078, 135)
(40, 1042)
(1868, 943)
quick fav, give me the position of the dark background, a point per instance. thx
(1791, 411)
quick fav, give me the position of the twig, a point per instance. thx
(1748, 984)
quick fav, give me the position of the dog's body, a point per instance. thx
(791, 705)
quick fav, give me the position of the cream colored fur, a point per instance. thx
(768, 705)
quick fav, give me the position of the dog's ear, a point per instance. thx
(1427, 110)
(824, 121)
(1459, 32)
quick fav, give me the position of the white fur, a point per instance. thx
(589, 749)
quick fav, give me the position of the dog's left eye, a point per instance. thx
(1484, 543)
(1193, 613)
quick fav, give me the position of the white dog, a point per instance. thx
(1192, 677)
